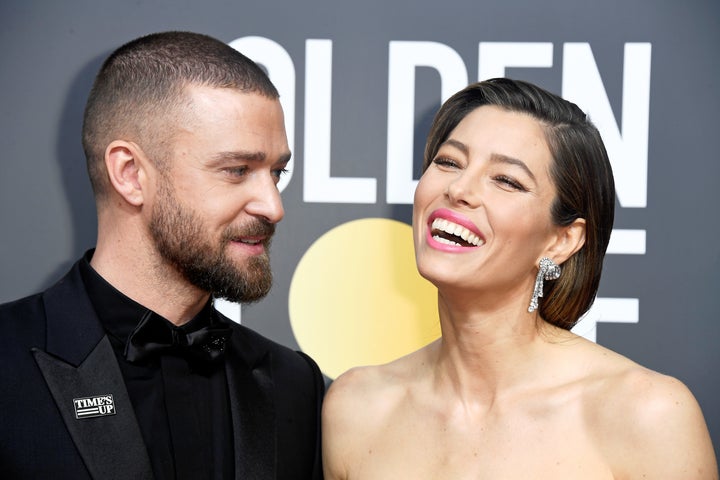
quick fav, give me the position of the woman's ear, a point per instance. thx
(125, 166)
(569, 239)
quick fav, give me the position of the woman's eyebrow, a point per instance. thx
(500, 158)
(494, 158)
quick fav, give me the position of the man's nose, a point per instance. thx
(266, 201)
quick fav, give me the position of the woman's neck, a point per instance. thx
(487, 351)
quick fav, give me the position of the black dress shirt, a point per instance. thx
(182, 408)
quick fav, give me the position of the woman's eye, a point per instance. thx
(444, 162)
(510, 182)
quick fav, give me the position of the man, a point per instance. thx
(124, 369)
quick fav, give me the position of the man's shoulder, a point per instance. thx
(282, 356)
(33, 305)
(255, 338)
(27, 316)
(20, 305)
(21, 317)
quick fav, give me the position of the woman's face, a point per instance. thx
(481, 218)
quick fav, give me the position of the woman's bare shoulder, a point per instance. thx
(615, 378)
(617, 385)
(358, 405)
(357, 386)
(648, 422)
(382, 383)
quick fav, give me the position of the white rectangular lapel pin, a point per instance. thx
(96, 406)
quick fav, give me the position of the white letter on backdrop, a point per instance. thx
(628, 151)
(319, 186)
(403, 58)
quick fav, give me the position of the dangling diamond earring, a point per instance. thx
(548, 270)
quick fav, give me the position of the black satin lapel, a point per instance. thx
(111, 446)
(253, 416)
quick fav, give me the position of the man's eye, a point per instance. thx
(280, 172)
(237, 171)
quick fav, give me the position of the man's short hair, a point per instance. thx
(140, 88)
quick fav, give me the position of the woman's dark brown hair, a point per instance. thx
(581, 173)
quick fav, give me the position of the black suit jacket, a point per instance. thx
(53, 350)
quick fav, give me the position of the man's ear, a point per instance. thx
(569, 239)
(125, 162)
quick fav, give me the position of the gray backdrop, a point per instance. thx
(656, 61)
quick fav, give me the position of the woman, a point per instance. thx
(512, 217)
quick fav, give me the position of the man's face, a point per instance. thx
(217, 202)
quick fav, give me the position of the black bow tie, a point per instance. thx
(154, 335)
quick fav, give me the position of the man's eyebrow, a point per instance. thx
(224, 158)
(494, 158)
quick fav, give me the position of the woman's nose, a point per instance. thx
(464, 190)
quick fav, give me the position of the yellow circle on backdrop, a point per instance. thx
(356, 297)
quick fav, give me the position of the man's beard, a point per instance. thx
(180, 239)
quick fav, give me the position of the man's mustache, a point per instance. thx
(257, 228)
